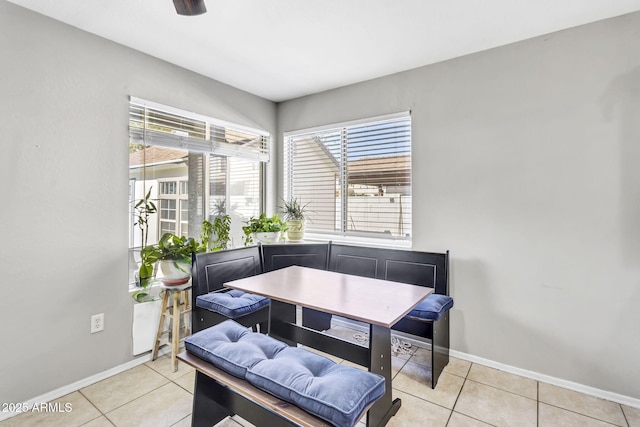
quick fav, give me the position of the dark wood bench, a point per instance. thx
(212, 270)
(218, 395)
(414, 267)
(312, 255)
(270, 383)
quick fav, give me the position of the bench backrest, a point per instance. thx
(313, 255)
(417, 268)
(210, 270)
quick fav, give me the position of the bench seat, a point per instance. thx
(336, 393)
(231, 304)
(219, 394)
(430, 320)
(432, 309)
(212, 303)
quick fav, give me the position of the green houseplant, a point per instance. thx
(294, 213)
(174, 255)
(215, 235)
(143, 210)
(265, 229)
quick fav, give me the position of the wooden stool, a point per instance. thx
(180, 307)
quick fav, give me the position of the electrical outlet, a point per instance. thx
(97, 323)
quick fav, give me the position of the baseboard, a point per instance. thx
(63, 391)
(581, 388)
(591, 391)
(603, 394)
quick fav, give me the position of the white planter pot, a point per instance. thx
(266, 238)
(295, 230)
(174, 272)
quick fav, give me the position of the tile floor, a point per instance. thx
(467, 395)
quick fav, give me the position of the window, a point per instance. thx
(196, 168)
(355, 177)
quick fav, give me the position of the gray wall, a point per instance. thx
(525, 167)
(63, 174)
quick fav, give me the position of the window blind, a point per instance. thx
(356, 178)
(151, 123)
(236, 181)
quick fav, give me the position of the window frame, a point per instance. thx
(343, 234)
(212, 138)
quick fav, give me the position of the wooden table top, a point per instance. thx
(375, 301)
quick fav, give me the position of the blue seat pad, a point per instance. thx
(232, 347)
(231, 304)
(432, 307)
(336, 393)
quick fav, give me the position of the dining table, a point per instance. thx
(378, 303)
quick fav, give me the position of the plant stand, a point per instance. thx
(176, 311)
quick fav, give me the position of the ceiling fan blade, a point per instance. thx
(190, 7)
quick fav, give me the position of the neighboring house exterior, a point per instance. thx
(378, 188)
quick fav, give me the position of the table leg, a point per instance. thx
(284, 312)
(380, 363)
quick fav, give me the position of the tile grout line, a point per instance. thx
(128, 401)
(453, 408)
(624, 415)
(501, 389)
(583, 415)
(140, 397)
(537, 403)
(102, 414)
(180, 420)
(458, 397)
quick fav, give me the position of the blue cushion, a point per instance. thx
(336, 393)
(231, 304)
(432, 307)
(232, 347)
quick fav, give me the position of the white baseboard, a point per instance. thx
(603, 394)
(591, 391)
(581, 388)
(63, 391)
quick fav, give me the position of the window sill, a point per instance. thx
(358, 241)
(154, 289)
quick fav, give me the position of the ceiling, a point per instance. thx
(284, 49)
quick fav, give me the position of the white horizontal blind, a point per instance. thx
(238, 143)
(355, 178)
(155, 124)
(235, 186)
(244, 188)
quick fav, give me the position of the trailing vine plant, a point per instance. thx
(215, 235)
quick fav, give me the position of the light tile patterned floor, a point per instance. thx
(467, 395)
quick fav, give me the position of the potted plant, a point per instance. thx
(215, 235)
(143, 210)
(294, 213)
(264, 229)
(174, 254)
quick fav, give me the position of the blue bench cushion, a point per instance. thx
(231, 304)
(232, 347)
(432, 307)
(336, 393)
